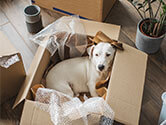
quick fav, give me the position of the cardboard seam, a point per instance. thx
(124, 121)
(29, 81)
(68, 13)
(125, 102)
(62, 11)
(99, 17)
(35, 71)
(143, 74)
(33, 115)
(101, 10)
(143, 84)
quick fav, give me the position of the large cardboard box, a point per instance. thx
(11, 78)
(125, 86)
(90, 9)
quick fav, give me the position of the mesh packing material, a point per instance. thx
(7, 61)
(65, 110)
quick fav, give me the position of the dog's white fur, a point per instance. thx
(81, 74)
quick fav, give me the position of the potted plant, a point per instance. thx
(152, 27)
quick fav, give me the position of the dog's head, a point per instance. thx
(101, 55)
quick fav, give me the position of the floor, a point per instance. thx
(13, 24)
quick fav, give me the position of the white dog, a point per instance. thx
(77, 75)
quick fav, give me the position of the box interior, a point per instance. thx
(125, 86)
(117, 89)
(45, 63)
(91, 28)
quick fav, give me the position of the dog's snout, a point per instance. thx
(101, 67)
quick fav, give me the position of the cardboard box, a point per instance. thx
(87, 9)
(125, 86)
(11, 78)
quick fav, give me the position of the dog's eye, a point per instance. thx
(107, 54)
(96, 54)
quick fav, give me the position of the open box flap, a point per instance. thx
(91, 28)
(126, 84)
(6, 48)
(33, 75)
(124, 92)
(32, 115)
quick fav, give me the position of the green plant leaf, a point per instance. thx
(135, 2)
(164, 22)
(163, 3)
(164, 9)
(154, 21)
(147, 9)
(153, 1)
(140, 5)
(130, 1)
(145, 1)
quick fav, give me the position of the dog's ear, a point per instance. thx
(90, 50)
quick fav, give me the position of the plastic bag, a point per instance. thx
(63, 32)
(65, 110)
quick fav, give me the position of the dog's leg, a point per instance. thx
(93, 93)
(65, 88)
(92, 89)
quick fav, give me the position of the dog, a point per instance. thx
(81, 74)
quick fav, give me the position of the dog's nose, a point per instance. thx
(101, 67)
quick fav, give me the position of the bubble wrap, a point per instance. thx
(7, 61)
(65, 31)
(65, 110)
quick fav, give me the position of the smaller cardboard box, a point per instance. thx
(125, 88)
(12, 73)
(89, 9)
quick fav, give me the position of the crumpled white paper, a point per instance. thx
(7, 61)
(65, 110)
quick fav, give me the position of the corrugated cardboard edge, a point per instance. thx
(5, 46)
(30, 75)
(30, 113)
(131, 104)
(110, 30)
(101, 10)
(34, 114)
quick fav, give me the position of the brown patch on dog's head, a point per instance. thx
(90, 50)
(117, 45)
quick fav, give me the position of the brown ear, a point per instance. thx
(117, 45)
(90, 50)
